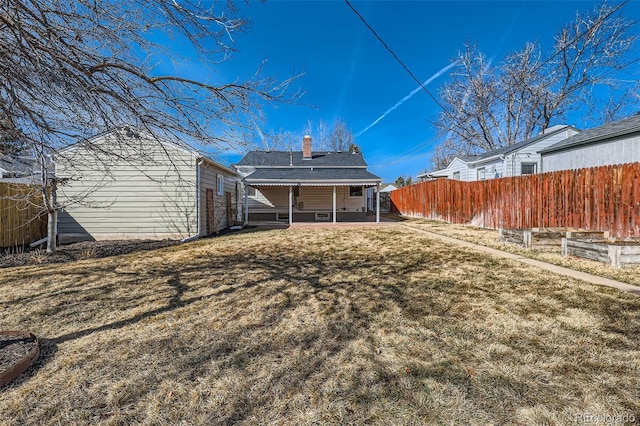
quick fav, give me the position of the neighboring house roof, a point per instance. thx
(388, 187)
(479, 158)
(517, 146)
(290, 168)
(445, 172)
(605, 132)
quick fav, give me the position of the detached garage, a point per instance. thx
(129, 184)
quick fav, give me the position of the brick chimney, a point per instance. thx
(306, 147)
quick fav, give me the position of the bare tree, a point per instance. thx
(285, 140)
(341, 137)
(69, 70)
(487, 107)
(320, 133)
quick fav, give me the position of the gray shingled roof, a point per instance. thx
(307, 175)
(318, 159)
(608, 131)
(516, 146)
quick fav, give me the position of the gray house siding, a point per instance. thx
(510, 164)
(146, 191)
(619, 151)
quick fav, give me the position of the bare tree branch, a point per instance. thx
(488, 107)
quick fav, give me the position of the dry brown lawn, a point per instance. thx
(489, 238)
(318, 326)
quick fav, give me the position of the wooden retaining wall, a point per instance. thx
(600, 199)
(22, 217)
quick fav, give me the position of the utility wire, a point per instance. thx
(394, 55)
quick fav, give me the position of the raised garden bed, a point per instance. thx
(617, 252)
(547, 239)
(18, 351)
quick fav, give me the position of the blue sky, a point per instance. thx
(351, 76)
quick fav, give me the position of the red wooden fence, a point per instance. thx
(601, 198)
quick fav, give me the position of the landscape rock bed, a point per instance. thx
(18, 351)
(618, 253)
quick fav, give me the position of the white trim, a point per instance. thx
(334, 204)
(378, 204)
(219, 183)
(290, 204)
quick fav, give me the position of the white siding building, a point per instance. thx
(613, 143)
(521, 158)
(130, 185)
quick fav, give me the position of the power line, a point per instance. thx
(394, 55)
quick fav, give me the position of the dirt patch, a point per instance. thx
(83, 250)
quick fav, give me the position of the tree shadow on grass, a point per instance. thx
(344, 292)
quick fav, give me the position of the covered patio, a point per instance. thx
(331, 202)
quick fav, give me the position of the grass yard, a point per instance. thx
(318, 326)
(489, 238)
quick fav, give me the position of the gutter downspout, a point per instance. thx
(198, 197)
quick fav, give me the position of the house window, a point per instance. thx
(456, 176)
(528, 169)
(220, 185)
(251, 191)
(355, 191)
(482, 173)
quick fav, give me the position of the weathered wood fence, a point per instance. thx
(22, 218)
(601, 199)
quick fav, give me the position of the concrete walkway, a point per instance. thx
(583, 276)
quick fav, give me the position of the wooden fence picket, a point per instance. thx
(22, 218)
(602, 198)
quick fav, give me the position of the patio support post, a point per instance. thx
(378, 203)
(246, 204)
(290, 204)
(334, 204)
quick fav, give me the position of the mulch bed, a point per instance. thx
(14, 349)
(18, 351)
(78, 251)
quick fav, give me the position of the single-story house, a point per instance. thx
(457, 169)
(129, 184)
(522, 158)
(306, 186)
(16, 168)
(612, 143)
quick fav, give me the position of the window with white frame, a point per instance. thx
(220, 185)
(482, 173)
(251, 191)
